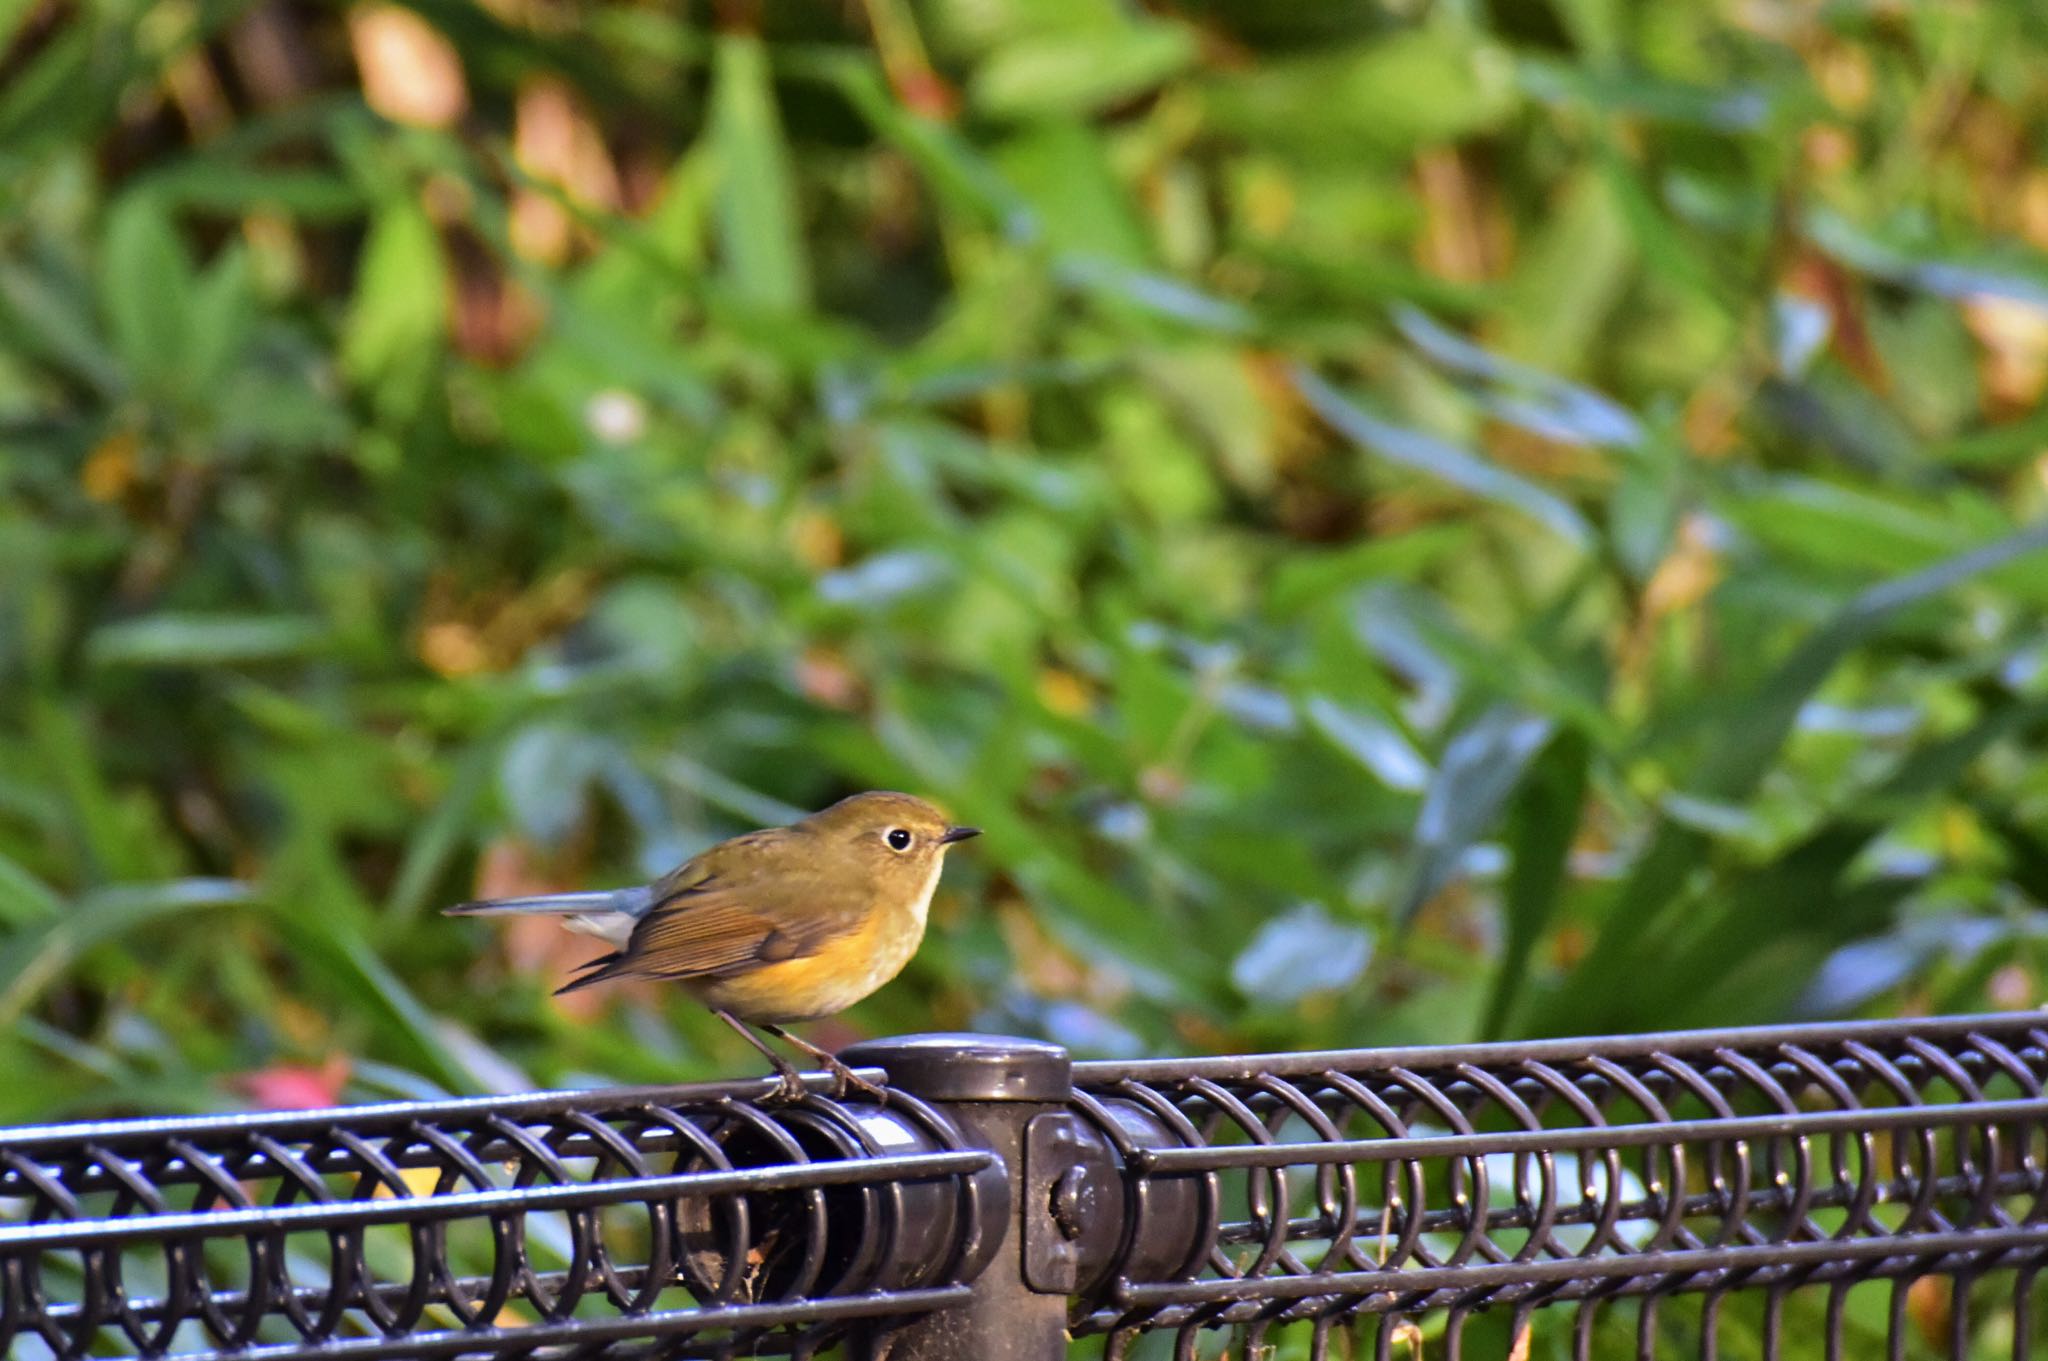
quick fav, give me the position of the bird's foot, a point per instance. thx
(844, 1079)
(790, 1087)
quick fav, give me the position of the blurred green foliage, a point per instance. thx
(1402, 520)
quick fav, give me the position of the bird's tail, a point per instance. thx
(630, 902)
(600, 970)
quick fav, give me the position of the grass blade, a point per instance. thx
(759, 232)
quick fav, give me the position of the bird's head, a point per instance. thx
(896, 835)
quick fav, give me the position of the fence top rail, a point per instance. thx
(2031, 1026)
(376, 1115)
(2026, 1026)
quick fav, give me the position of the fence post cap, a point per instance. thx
(966, 1067)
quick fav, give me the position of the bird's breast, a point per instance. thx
(831, 978)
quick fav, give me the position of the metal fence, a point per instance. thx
(1837, 1191)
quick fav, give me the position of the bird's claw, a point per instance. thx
(790, 1088)
(844, 1078)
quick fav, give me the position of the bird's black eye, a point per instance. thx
(898, 839)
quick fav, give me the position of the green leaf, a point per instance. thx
(760, 230)
(1858, 973)
(1768, 912)
(1374, 742)
(1078, 203)
(1431, 456)
(55, 96)
(1859, 528)
(398, 312)
(70, 765)
(2022, 280)
(327, 944)
(886, 580)
(1736, 764)
(434, 843)
(51, 316)
(1079, 71)
(545, 778)
(218, 185)
(721, 791)
(1542, 823)
(1540, 402)
(1158, 294)
(1382, 98)
(23, 897)
(952, 165)
(1480, 767)
(147, 289)
(201, 640)
(1298, 954)
(1306, 577)
(36, 957)
(1643, 907)
(223, 317)
(1721, 108)
(1571, 276)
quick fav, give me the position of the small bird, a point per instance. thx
(780, 925)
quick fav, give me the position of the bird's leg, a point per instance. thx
(790, 1084)
(841, 1074)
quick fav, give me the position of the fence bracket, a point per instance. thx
(1068, 1185)
(996, 1089)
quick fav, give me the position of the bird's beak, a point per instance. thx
(953, 834)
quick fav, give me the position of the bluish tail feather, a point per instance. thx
(631, 901)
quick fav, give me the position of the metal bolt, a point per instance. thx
(1073, 1196)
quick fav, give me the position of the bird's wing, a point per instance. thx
(734, 861)
(712, 934)
(710, 920)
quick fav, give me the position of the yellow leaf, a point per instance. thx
(1063, 692)
(109, 469)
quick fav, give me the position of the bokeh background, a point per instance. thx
(1412, 520)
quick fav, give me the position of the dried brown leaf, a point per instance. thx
(410, 73)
